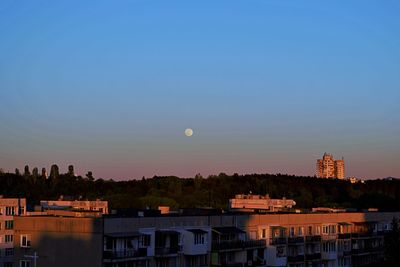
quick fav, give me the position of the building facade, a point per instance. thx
(86, 205)
(258, 202)
(9, 208)
(294, 240)
(327, 167)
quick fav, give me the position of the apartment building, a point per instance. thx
(294, 240)
(327, 167)
(9, 208)
(257, 202)
(87, 205)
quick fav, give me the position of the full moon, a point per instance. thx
(188, 132)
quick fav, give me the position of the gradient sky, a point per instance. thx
(268, 86)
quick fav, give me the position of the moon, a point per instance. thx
(188, 132)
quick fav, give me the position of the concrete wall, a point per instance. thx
(60, 241)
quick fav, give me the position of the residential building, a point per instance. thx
(258, 202)
(327, 167)
(9, 208)
(86, 205)
(232, 240)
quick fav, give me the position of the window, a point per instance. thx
(145, 240)
(25, 241)
(9, 252)
(10, 211)
(8, 238)
(318, 230)
(263, 233)
(8, 264)
(329, 246)
(300, 231)
(198, 239)
(329, 229)
(291, 231)
(309, 230)
(9, 224)
(24, 263)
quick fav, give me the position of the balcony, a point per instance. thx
(124, 254)
(233, 264)
(237, 245)
(313, 256)
(313, 239)
(344, 236)
(329, 255)
(278, 241)
(367, 250)
(296, 240)
(362, 235)
(293, 259)
(166, 251)
(257, 263)
(329, 237)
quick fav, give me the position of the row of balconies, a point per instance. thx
(318, 238)
(167, 250)
(127, 253)
(237, 244)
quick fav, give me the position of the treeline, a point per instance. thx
(213, 191)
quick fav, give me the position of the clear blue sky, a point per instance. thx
(266, 85)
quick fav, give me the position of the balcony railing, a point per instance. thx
(313, 238)
(344, 236)
(166, 251)
(238, 244)
(232, 264)
(313, 256)
(362, 235)
(278, 241)
(128, 253)
(298, 258)
(296, 240)
(367, 250)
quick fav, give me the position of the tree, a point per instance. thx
(35, 173)
(44, 173)
(26, 171)
(89, 175)
(71, 170)
(54, 171)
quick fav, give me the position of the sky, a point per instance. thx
(267, 86)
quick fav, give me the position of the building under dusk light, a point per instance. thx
(237, 240)
(327, 167)
(257, 202)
